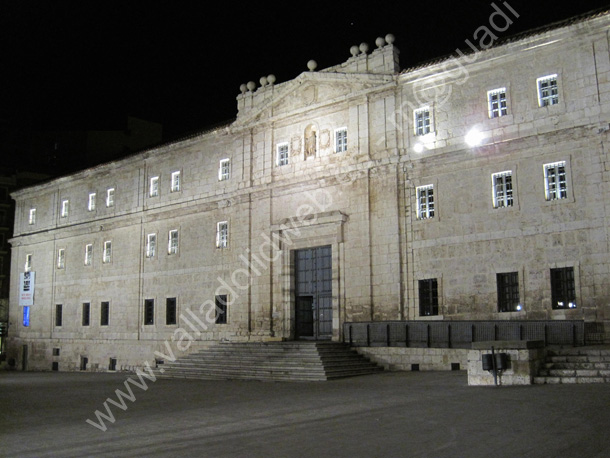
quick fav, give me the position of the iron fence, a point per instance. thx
(460, 334)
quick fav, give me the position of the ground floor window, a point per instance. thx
(508, 291)
(170, 310)
(221, 309)
(428, 297)
(149, 311)
(563, 290)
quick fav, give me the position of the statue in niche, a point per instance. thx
(311, 140)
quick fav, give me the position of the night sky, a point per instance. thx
(89, 64)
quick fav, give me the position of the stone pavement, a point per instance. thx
(399, 414)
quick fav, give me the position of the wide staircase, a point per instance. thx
(576, 365)
(273, 361)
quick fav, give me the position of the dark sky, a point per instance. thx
(90, 63)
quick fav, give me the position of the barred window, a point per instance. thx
(508, 291)
(555, 181)
(428, 297)
(563, 289)
(341, 140)
(502, 189)
(170, 310)
(105, 313)
(221, 309)
(425, 202)
(282, 154)
(423, 125)
(497, 102)
(548, 93)
(149, 311)
(58, 314)
(86, 313)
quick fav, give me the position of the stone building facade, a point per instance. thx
(471, 187)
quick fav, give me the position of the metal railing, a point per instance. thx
(460, 334)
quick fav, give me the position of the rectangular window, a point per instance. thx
(110, 197)
(175, 185)
(497, 103)
(151, 245)
(170, 310)
(107, 254)
(61, 258)
(563, 290)
(28, 263)
(149, 311)
(428, 297)
(425, 202)
(508, 292)
(423, 125)
(91, 203)
(88, 254)
(65, 207)
(222, 234)
(58, 314)
(86, 313)
(341, 140)
(172, 242)
(32, 216)
(224, 170)
(221, 309)
(282, 154)
(555, 183)
(153, 190)
(105, 313)
(547, 90)
(502, 189)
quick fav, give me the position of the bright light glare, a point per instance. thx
(418, 148)
(519, 307)
(474, 137)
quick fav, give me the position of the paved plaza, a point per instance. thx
(399, 414)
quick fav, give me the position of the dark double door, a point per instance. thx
(313, 290)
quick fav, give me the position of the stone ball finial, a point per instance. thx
(312, 65)
(363, 48)
(263, 81)
(380, 42)
(271, 79)
(354, 50)
(243, 88)
(251, 85)
(390, 38)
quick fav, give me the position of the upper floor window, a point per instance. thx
(502, 188)
(548, 93)
(341, 140)
(151, 245)
(425, 202)
(497, 102)
(153, 189)
(172, 242)
(423, 124)
(282, 154)
(110, 197)
(28, 263)
(224, 170)
(107, 254)
(91, 202)
(222, 234)
(65, 207)
(104, 313)
(32, 216)
(175, 184)
(88, 254)
(61, 258)
(555, 183)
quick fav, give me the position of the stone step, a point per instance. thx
(540, 380)
(292, 366)
(586, 366)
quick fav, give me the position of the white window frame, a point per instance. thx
(151, 245)
(423, 114)
(283, 154)
(426, 207)
(341, 140)
(107, 253)
(28, 263)
(61, 258)
(172, 242)
(91, 202)
(153, 188)
(503, 191)
(175, 181)
(88, 254)
(546, 98)
(65, 208)
(556, 187)
(224, 169)
(32, 216)
(222, 234)
(499, 107)
(110, 197)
